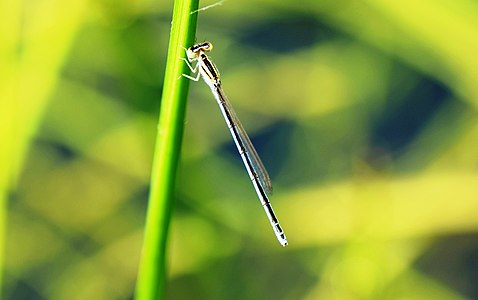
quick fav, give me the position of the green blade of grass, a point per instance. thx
(152, 271)
(27, 79)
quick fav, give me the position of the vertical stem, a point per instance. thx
(152, 270)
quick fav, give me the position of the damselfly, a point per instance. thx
(254, 166)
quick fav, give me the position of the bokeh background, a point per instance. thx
(363, 111)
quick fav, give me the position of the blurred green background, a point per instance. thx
(364, 113)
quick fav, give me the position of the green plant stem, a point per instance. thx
(152, 270)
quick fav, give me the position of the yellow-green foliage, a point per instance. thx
(364, 113)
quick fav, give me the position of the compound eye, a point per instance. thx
(206, 46)
(209, 46)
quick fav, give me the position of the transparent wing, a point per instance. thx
(250, 151)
